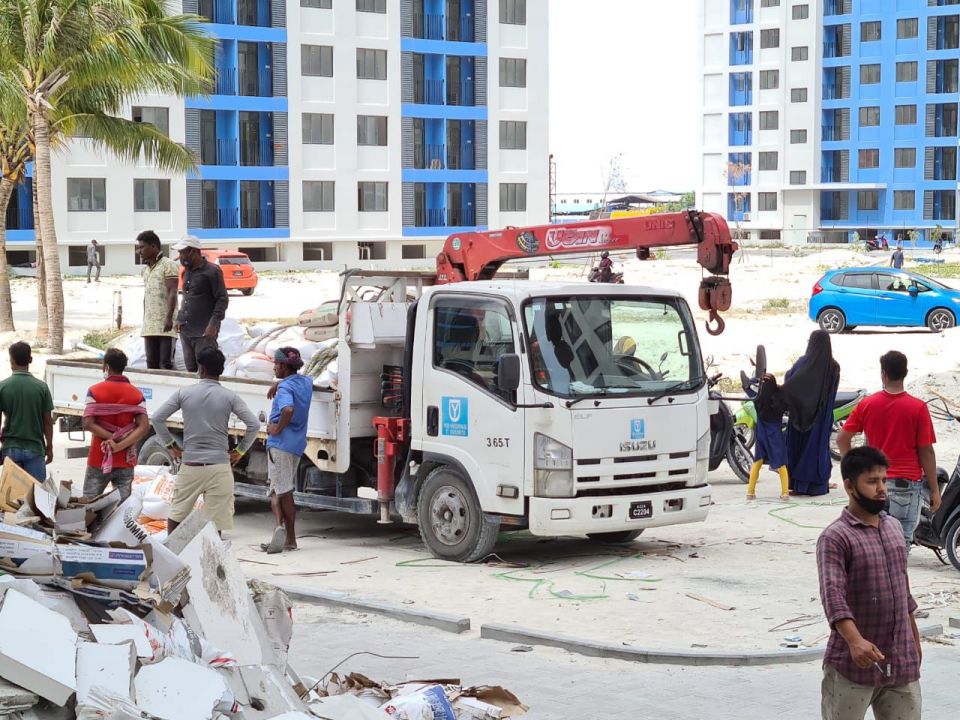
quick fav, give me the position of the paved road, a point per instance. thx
(561, 686)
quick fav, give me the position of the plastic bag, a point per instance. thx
(429, 703)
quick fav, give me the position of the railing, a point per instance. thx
(258, 153)
(219, 218)
(218, 11)
(430, 157)
(831, 133)
(256, 217)
(831, 91)
(463, 94)
(462, 157)
(445, 217)
(831, 49)
(226, 82)
(428, 27)
(428, 92)
(250, 83)
(19, 218)
(249, 13)
(460, 29)
(461, 217)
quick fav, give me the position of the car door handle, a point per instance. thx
(433, 420)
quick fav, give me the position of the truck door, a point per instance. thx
(467, 418)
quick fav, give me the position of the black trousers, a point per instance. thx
(159, 350)
(191, 346)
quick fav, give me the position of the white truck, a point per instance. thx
(470, 407)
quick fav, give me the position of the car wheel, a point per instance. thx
(832, 320)
(247, 291)
(940, 319)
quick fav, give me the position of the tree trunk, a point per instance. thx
(43, 325)
(48, 231)
(6, 303)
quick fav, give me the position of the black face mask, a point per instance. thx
(872, 506)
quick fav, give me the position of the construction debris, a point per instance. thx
(104, 617)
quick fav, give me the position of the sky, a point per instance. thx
(623, 80)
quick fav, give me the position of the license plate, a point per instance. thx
(238, 273)
(641, 510)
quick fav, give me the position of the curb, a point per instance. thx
(447, 622)
(513, 634)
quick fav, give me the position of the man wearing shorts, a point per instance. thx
(205, 449)
(286, 441)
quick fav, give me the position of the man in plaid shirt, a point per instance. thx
(873, 656)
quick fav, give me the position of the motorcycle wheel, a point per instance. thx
(746, 433)
(739, 458)
(953, 543)
(858, 441)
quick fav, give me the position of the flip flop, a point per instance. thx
(288, 548)
(276, 542)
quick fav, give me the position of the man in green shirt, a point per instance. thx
(26, 406)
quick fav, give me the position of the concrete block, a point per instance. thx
(186, 531)
(955, 622)
(38, 648)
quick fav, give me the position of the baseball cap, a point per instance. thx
(188, 242)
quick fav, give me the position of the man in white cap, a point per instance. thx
(204, 301)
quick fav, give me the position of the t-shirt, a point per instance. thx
(294, 391)
(155, 297)
(115, 390)
(897, 424)
(24, 402)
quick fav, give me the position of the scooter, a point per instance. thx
(940, 531)
(616, 278)
(725, 443)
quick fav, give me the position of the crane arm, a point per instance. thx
(478, 255)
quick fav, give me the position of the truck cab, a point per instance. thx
(566, 409)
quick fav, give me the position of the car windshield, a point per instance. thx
(590, 346)
(931, 282)
(233, 260)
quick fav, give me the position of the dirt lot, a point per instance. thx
(755, 558)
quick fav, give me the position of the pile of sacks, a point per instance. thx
(105, 617)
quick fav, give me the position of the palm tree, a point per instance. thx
(14, 156)
(75, 64)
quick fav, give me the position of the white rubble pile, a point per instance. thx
(108, 618)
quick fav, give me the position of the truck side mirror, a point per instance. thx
(508, 372)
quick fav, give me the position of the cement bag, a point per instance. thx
(254, 366)
(184, 643)
(322, 316)
(328, 378)
(320, 334)
(231, 338)
(255, 331)
(276, 611)
(429, 703)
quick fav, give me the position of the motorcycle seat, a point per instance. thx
(845, 398)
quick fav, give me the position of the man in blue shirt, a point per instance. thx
(896, 260)
(286, 442)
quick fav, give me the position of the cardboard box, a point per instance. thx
(15, 485)
(37, 648)
(121, 567)
(27, 557)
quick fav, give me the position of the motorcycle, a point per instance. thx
(940, 531)
(937, 247)
(616, 278)
(745, 419)
(725, 443)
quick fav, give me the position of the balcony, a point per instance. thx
(428, 92)
(462, 94)
(19, 217)
(460, 29)
(256, 84)
(445, 217)
(256, 217)
(253, 13)
(219, 218)
(217, 11)
(741, 48)
(462, 157)
(741, 89)
(225, 82)
(429, 157)
(741, 12)
(837, 7)
(428, 27)
(256, 153)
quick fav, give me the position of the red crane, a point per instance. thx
(478, 255)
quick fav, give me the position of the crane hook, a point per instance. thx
(719, 324)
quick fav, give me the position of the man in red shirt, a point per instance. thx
(898, 424)
(116, 416)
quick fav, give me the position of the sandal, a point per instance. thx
(276, 543)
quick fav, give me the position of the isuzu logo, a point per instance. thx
(558, 238)
(638, 445)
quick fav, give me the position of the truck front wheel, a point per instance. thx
(153, 452)
(451, 522)
(619, 537)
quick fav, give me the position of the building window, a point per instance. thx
(513, 12)
(798, 177)
(905, 157)
(869, 158)
(372, 130)
(318, 195)
(513, 135)
(908, 28)
(769, 3)
(513, 72)
(869, 74)
(770, 38)
(316, 60)
(870, 31)
(86, 194)
(799, 53)
(906, 114)
(317, 251)
(767, 201)
(159, 117)
(801, 12)
(322, 4)
(904, 200)
(151, 196)
(371, 64)
(868, 200)
(367, 250)
(413, 252)
(869, 116)
(798, 137)
(372, 6)
(317, 128)
(513, 197)
(767, 160)
(798, 95)
(907, 71)
(769, 120)
(372, 196)
(769, 79)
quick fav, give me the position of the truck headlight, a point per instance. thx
(703, 457)
(553, 468)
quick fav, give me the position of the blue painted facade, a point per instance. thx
(443, 54)
(876, 196)
(237, 136)
(19, 218)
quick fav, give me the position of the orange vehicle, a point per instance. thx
(238, 271)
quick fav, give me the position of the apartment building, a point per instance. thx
(338, 133)
(822, 119)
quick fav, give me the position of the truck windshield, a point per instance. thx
(583, 346)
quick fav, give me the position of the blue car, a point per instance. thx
(844, 299)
